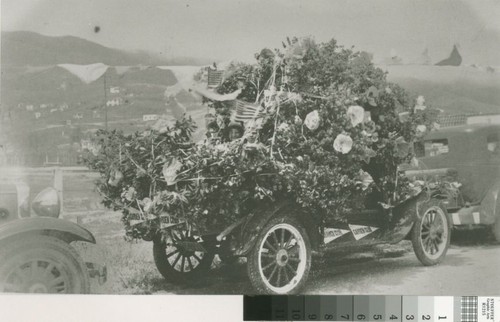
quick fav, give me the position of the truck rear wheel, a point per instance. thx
(177, 264)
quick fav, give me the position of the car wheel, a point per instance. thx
(431, 233)
(177, 264)
(42, 264)
(280, 261)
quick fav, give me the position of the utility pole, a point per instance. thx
(105, 103)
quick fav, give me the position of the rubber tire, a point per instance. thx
(22, 250)
(253, 257)
(415, 233)
(171, 274)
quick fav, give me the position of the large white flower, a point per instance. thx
(222, 147)
(115, 178)
(297, 120)
(129, 194)
(365, 179)
(342, 143)
(420, 104)
(170, 171)
(147, 204)
(312, 120)
(421, 129)
(420, 100)
(356, 114)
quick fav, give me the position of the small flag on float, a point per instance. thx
(247, 111)
(214, 77)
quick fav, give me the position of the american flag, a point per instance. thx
(214, 77)
(247, 111)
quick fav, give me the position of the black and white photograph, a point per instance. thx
(189, 147)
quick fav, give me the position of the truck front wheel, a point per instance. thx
(280, 261)
(430, 235)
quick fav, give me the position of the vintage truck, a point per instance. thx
(470, 156)
(279, 242)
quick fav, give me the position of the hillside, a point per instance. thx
(24, 48)
(45, 107)
(455, 90)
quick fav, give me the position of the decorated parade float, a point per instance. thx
(302, 155)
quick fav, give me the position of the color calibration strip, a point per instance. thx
(392, 308)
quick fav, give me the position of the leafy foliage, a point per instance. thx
(317, 146)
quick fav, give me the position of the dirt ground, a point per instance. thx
(470, 267)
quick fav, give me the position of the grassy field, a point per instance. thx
(131, 269)
(130, 264)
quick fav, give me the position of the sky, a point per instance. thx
(233, 29)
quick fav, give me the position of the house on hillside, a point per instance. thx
(150, 117)
(43, 106)
(114, 90)
(78, 116)
(29, 108)
(114, 102)
(86, 144)
(89, 145)
(38, 115)
(63, 107)
(53, 110)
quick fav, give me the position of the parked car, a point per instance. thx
(35, 251)
(470, 156)
(278, 243)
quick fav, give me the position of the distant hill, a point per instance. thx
(456, 90)
(24, 48)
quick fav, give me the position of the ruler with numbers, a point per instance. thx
(390, 308)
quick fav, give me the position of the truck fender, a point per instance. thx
(404, 216)
(59, 228)
(252, 226)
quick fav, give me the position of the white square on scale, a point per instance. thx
(443, 308)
